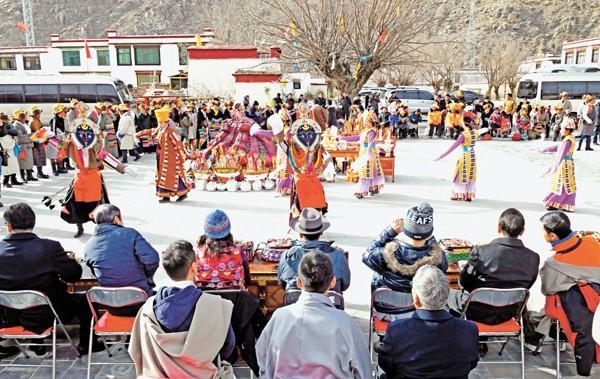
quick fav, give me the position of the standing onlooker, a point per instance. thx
(126, 133)
(597, 131)
(434, 120)
(311, 338)
(509, 108)
(588, 120)
(107, 127)
(566, 103)
(8, 140)
(331, 114)
(346, 103)
(432, 343)
(320, 100)
(39, 149)
(557, 120)
(542, 121)
(145, 121)
(25, 144)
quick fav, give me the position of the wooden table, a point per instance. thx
(388, 164)
(347, 154)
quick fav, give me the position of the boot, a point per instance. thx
(68, 164)
(79, 231)
(6, 181)
(60, 167)
(30, 177)
(14, 181)
(41, 174)
(54, 168)
(23, 176)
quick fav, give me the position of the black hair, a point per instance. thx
(177, 259)
(215, 246)
(20, 216)
(556, 222)
(315, 271)
(512, 222)
(312, 237)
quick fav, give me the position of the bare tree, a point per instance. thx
(348, 40)
(501, 66)
(512, 70)
(442, 62)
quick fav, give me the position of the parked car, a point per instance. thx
(470, 96)
(415, 98)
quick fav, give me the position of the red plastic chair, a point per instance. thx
(107, 325)
(499, 298)
(23, 300)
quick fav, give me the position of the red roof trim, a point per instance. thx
(256, 78)
(222, 52)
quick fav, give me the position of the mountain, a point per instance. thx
(539, 25)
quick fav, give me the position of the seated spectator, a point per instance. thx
(503, 263)
(179, 332)
(119, 256)
(432, 343)
(310, 226)
(311, 338)
(395, 261)
(216, 249)
(415, 118)
(28, 262)
(573, 275)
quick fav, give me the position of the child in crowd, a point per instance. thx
(415, 118)
(221, 263)
(434, 120)
(524, 124)
(403, 117)
(495, 121)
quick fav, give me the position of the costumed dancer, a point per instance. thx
(57, 127)
(562, 188)
(305, 159)
(86, 190)
(25, 154)
(284, 177)
(368, 165)
(465, 172)
(171, 179)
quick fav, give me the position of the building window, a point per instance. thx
(32, 62)
(71, 58)
(183, 53)
(569, 57)
(147, 77)
(596, 56)
(147, 55)
(8, 62)
(179, 82)
(103, 57)
(580, 57)
(124, 56)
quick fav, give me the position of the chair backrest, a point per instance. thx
(385, 300)
(291, 296)
(115, 297)
(337, 299)
(499, 298)
(21, 300)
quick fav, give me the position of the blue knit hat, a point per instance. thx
(216, 224)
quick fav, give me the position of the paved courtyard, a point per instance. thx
(509, 175)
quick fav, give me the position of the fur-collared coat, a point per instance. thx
(395, 262)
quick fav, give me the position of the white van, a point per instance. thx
(545, 88)
(46, 91)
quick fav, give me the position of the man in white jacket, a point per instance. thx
(126, 133)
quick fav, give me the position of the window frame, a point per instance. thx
(3, 93)
(155, 74)
(107, 57)
(30, 56)
(135, 55)
(596, 55)
(569, 57)
(78, 51)
(11, 58)
(580, 54)
(118, 49)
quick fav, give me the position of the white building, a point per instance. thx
(135, 59)
(536, 63)
(26, 60)
(584, 51)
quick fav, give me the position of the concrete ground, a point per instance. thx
(509, 175)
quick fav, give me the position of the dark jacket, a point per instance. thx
(120, 256)
(503, 263)
(174, 309)
(321, 101)
(396, 262)
(290, 260)
(28, 262)
(430, 344)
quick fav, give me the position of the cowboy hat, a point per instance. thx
(58, 108)
(18, 112)
(310, 222)
(35, 108)
(123, 107)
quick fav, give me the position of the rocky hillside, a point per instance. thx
(541, 25)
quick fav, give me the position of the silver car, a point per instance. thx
(415, 98)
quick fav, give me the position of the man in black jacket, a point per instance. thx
(503, 263)
(28, 262)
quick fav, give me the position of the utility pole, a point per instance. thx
(28, 20)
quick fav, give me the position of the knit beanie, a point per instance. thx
(418, 224)
(217, 225)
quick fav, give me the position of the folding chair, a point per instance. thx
(109, 325)
(23, 300)
(499, 298)
(292, 296)
(389, 302)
